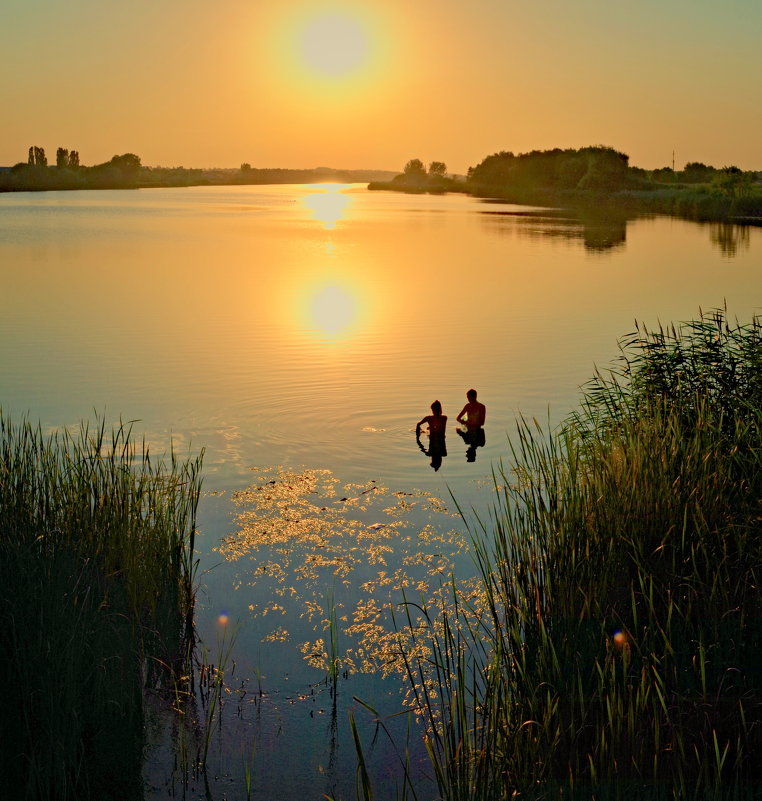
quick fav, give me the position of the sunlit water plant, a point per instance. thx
(615, 648)
(96, 603)
(307, 538)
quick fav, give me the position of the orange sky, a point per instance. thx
(372, 84)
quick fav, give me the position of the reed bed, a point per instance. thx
(96, 601)
(616, 648)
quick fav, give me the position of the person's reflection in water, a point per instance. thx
(472, 416)
(437, 423)
(474, 439)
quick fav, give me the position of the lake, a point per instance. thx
(297, 334)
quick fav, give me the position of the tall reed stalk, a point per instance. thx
(96, 598)
(615, 651)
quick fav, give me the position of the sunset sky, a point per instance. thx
(373, 83)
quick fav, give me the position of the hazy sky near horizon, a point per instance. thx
(373, 83)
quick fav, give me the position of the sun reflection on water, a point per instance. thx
(328, 205)
(333, 309)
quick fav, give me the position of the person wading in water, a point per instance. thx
(472, 416)
(437, 423)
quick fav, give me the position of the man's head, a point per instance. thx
(436, 407)
(471, 394)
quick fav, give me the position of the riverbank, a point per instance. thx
(594, 178)
(32, 178)
(707, 202)
(699, 203)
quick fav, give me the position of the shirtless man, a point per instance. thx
(473, 413)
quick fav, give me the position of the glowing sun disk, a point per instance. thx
(333, 45)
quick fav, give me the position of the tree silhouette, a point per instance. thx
(696, 172)
(37, 157)
(415, 168)
(127, 161)
(438, 168)
(62, 158)
(599, 168)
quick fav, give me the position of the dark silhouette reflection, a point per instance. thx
(472, 416)
(603, 231)
(474, 439)
(437, 449)
(598, 230)
(437, 424)
(729, 238)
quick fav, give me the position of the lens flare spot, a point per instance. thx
(223, 619)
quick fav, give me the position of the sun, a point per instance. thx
(329, 57)
(333, 45)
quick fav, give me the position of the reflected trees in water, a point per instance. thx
(598, 232)
(729, 238)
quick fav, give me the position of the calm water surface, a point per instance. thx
(297, 333)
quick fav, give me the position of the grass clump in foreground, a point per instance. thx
(96, 599)
(616, 651)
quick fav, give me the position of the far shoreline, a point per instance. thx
(626, 203)
(623, 192)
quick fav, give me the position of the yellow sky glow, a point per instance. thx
(306, 83)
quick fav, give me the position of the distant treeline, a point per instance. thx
(582, 177)
(578, 178)
(127, 172)
(35, 174)
(416, 178)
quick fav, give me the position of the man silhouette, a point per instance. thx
(472, 416)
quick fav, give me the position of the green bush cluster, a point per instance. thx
(598, 168)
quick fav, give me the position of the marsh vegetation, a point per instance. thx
(96, 604)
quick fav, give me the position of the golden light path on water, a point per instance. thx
(332, 296)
